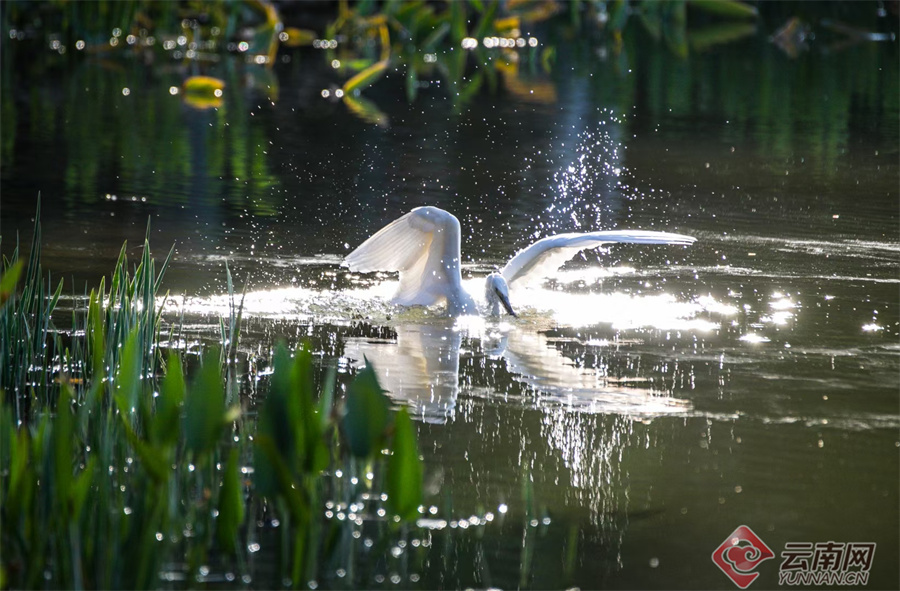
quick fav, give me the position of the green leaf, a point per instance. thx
(297, 37)
(435, 37)
(162, 269)
(366, 110)
(357, 64)
(726, 8)
(365, 78)
(618, 15)
(278, 474)
(276, 418)
(707, 37)
(82, 487)
(128, 376)
(412, 84)
(289, 419)
(231, 505)
(203, 85)
(118, 278)
(675, 33)
(470, 89)
(168, 405)
(458, 21)
(7, 436)
(284, 410)
(204, 407)
(96, 333)
(484, 24)
(55, 298)
(367, 413)
(153, 460)
(651, 18)
(62, 447)
(311, 449)
(9, 280)
(265, 479)
(326, 399)
(21, 474)
(404, 470)
(548, 57)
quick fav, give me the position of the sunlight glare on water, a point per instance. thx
(569, 308)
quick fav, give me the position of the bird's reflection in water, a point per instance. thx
(420, 369)
(587, 417)
(533, 359)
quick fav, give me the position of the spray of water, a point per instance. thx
(589, 192)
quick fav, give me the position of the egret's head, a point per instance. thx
(496, 292)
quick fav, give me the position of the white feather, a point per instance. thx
(548, 254)
(424, 247)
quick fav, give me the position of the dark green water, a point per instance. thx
(646, 409)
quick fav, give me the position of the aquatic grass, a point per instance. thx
(26, 328)
(119, 455)
(85, 484)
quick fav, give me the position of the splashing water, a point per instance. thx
(590, 189)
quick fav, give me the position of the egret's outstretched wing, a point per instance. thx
(423, 246)
(548, 254)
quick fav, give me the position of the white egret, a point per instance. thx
(424, 247)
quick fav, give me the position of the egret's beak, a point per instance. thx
(506, 305)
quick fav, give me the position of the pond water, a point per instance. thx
(649, 399)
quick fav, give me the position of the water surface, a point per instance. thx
(649, 399)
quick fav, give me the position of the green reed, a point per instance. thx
(26, 339)
(117, 472)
